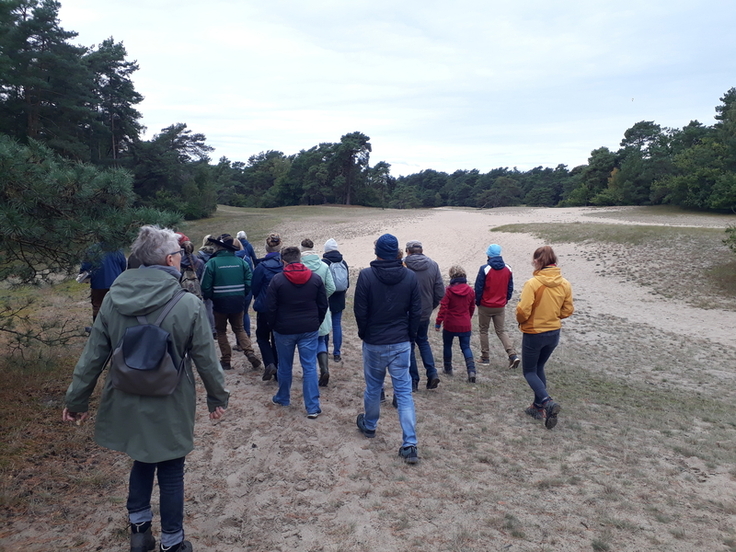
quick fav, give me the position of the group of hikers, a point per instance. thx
(299, 298)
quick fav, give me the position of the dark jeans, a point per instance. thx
(535, 351)
(462, 337)
(265, 340)
(171, 488)
(425, 351)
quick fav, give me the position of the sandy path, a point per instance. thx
(453, 236)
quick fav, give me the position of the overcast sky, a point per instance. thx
(446, 85)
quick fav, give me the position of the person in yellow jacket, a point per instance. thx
(545, 300)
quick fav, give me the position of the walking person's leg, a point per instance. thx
(285, 344)
(140, 487)
(398, 370)
(337, 336)
(484, 322)
(171, 487)
(236, 322)
(447, 351)
(375, 360)
(307, 345)
(499, 325)
(425, 350)
(221, 329)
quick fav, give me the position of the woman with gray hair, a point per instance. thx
(157, 432)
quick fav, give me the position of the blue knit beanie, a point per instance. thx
(387, 247)
(494, 250)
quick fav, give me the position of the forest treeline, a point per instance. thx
(80, 104)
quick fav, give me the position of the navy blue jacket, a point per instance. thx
(388, 306)
(104, 271)
(269, 266)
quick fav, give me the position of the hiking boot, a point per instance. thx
(433, 383)
(484, 360)
(337, 358)
(414, 386)
(183, 546)
(269, 371)
(551, 410)
(536, 412)
(447, 367)
(255, 362)
(237, 348)
(360, 421)
(225, 365)
(141, 539)
(324, 371)
(514, 361)
(471, 377)
(470, 366)
(409, 454)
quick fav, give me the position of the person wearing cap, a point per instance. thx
(296, 305)
(265, 270)
(247, 247)
(336, 300)
(494, 285)
(432, 290)
(388, 309)
(227, 281)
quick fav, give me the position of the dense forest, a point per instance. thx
(79, 103)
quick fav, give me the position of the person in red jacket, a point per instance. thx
(493, 288)
(456, 312)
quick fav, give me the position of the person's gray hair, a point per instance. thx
(154, 244)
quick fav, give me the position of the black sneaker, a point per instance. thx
(409, 454)
(225, 365)
(337, 358)
(536, 412)
(268, 372)
(514, 361)
(551, 410)
(433, 383)
(471, 377)
(369, 433)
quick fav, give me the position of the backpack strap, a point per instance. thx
(170, 305)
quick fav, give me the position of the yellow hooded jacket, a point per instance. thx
(545, 300)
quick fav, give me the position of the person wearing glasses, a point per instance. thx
(157, 432)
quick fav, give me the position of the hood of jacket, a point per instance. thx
(417, 263)
(332, 257)
(312, 261)
(143, 290)
(297, 273)
(496, 263)
(549, 276)
(272, 263)
(461, 289)
(389, 272)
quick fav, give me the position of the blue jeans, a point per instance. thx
(462, 337)
(425, 351)
(323, 343)
(307, 345)
(246, 316)
(377, 359)
(336, 333)
(171, 487)
(535, 351)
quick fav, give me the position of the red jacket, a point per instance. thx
(457, 307)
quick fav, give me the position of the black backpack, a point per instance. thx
(143, 361)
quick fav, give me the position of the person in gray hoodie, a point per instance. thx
(432, 290)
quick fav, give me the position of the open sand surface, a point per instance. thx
(266, 478)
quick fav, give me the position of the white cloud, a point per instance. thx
(434, 84)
